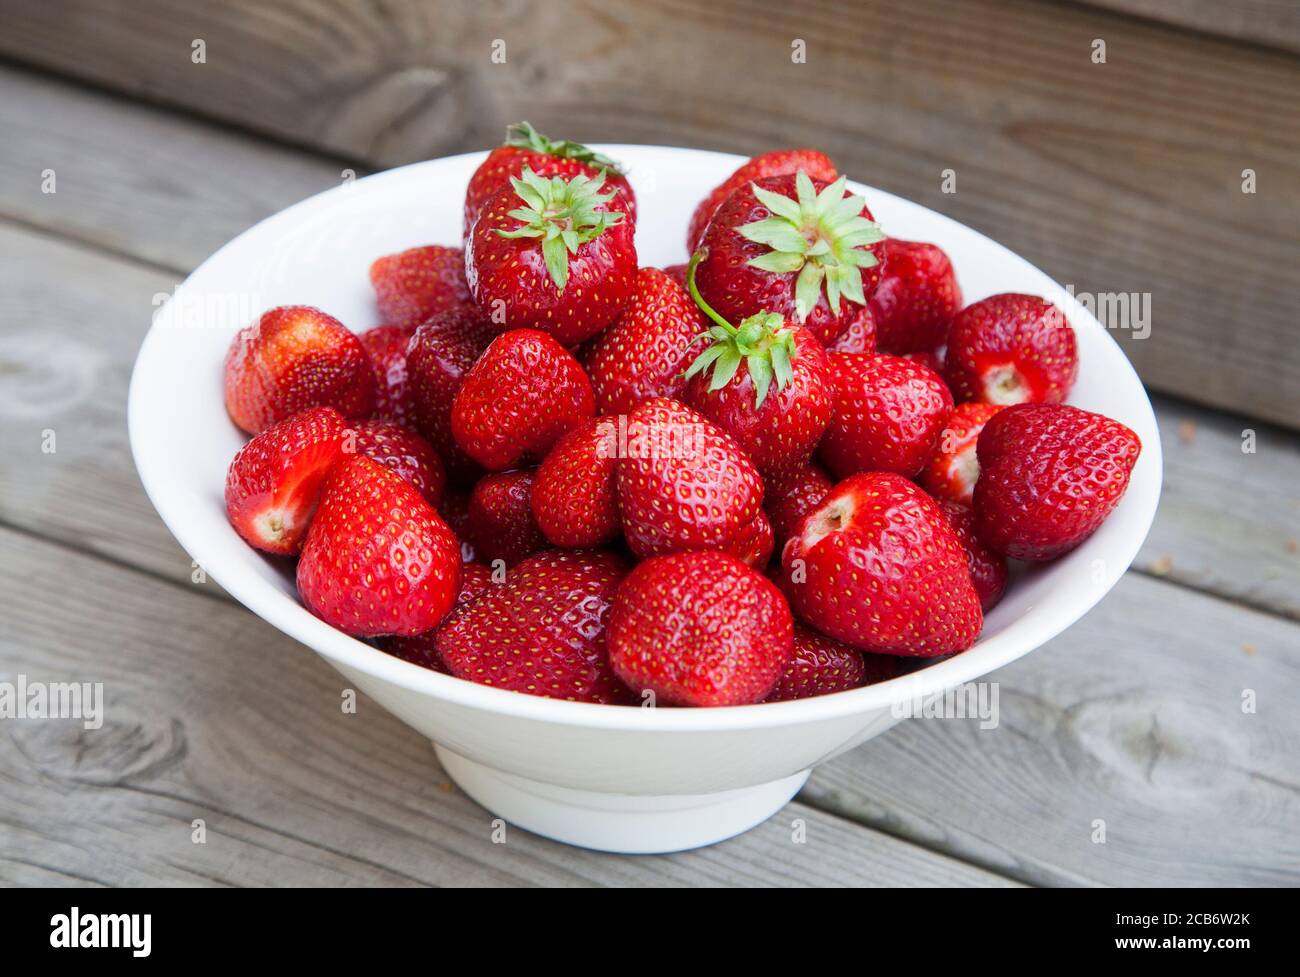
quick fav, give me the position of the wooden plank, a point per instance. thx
(210, 713)
(1134, 717)
(1273, 23)
(1120, 177)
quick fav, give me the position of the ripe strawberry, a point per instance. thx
(931, 360)
(419, 649)
(700, 629)
(916, 298)
(1011, 349)
(793, 495)
(877, 566)
(677, 273)
(730, 382)
(378, 559)
(777, 163)
(953, 468)
(555, 255)
(542, 632)
(648, 348)
(501, 524)
(683, 484)
(859, 336)
(821, 665)
(754, 546)
(274, 481)
(414, 284)
(524, 393)
(1049, 476)
(295, 357)
(401, 450)
(455, 513)
(889, 413)
(988, 570)
(575, 493)
(386, 347)
(794, 246)
(526, 147)
(439, 355)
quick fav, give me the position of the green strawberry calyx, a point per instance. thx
(563, 214)
(522, 135)
(823, 236)
(762, 342)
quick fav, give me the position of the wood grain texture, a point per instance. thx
(1272, 23)
(210, 713)
(1122, 177)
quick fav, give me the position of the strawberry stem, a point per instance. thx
(522, 135)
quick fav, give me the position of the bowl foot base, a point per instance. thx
(626, 823)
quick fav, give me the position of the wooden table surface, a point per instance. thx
(1133, 719)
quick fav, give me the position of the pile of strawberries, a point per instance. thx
(772, 473)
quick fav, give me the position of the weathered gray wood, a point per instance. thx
(1116, 177)
(212, 714)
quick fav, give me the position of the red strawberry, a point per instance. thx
(821, 665)
(700, 629)
(455, 513)
(754, 546)
(953, 468)
(916, 298)
(575, 493)
(555, 255)
(378, 559)
(542, 632)
(476, 579)
(988, 570)
(777, 163)
(295, 357)
(859, 336)
(439, 355)
(524, 393)
(930, 360)
(877, 566)
(525, 146)
(677, 273)
(401, 450)
(683, 484)
(731, 382)
(1011, 349)
(798, 247)
(648, 348)
(793, 495)
(419, 649)
(1049, 476)
(501, 524)
(889, 413)
(386, 346)
(274, 481)
(414, 284)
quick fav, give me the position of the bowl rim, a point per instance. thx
(349, 653)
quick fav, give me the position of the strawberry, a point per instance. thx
(455, 513)
(699, 629)
(683, 484)
(401, 450)
(677, 272)
(889, 413)
(795, 246)
(500, 522)
(526, 147)
(917, 297)
(877, 566)
(1011, 349)
(1050, 474)
(776, 163)
(754, 546)
(419, 649)
(859, 336)
(438, 356)
(542, 632)
(378, 559)
(988, 570)
(821, 665)
(927, 359)
(575, 493)
(953, 468)
(555, 255)
(274, 481)
(730, 382)
(386, 347)
(793, 495)
(414, 284)
(295, 357)
(648, 348)
(524, 393)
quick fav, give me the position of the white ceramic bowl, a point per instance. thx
(619, 779)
